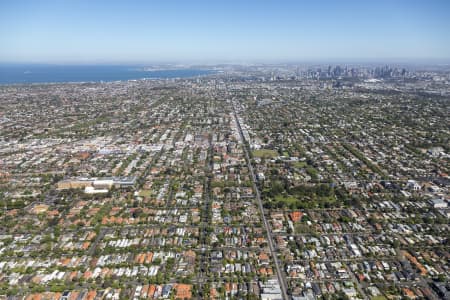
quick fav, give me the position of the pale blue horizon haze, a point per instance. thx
(133, 32)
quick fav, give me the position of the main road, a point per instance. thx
(281, 280)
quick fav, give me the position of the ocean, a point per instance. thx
(23, 74)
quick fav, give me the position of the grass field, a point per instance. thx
(145, 193)
(285, 199)
(299, 164)
(266, 153)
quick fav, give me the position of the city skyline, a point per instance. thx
(201, 32)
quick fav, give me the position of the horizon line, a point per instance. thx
(407, 61)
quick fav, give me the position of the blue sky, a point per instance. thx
(97, 31)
